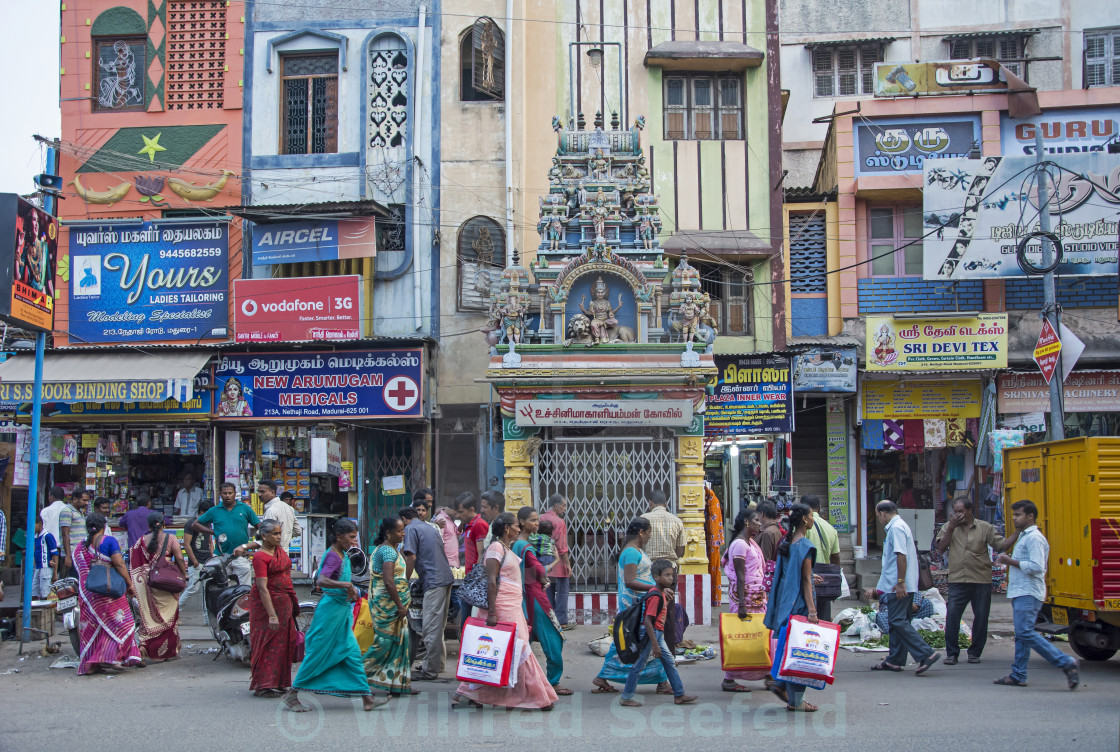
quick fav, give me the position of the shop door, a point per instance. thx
(389, 454)
(607, 481)
(810, 451)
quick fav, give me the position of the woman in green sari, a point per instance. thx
(332, 664)
(386, 661)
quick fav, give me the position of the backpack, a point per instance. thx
(626, 628)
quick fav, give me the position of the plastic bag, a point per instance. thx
(601, 645)
(845, 588)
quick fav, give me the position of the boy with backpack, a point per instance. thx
(655, 607)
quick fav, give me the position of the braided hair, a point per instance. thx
(797, 515)
(155, 524)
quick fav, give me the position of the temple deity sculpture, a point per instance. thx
(554, 232)
(600, 312)
(646, 232)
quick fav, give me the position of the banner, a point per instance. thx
(603, 413)
(825, 369)
(28, 259)
(981, 209)
(148, 281)
(1084, 392)
(836, 440)
(313, 240)
(1065, 131)
(937, 344)
(937, 77)
(899, 400)
(753, 395)
(297, 309)
(902, 146)
(346, 383)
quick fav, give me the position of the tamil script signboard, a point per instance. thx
(754, 394)
(898, 147)
(825, 369)
(148, 281)
(348, 383)
(981, 209)
(937, 344)
(604, 413)
(1083, 392)
(836, 436)
(937, 77)
(900, 400)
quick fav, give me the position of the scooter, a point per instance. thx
(66, 591)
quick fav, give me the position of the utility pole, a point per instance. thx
(1049, 293)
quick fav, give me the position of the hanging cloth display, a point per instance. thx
(872, 434)
(892, 435)
(955, 429)
(987, 425)
(914, 435)
(935, 434)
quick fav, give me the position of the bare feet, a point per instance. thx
(369, 702)
(292, 703)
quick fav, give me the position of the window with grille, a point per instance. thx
(309, 106)
(1009, 50)
(703, 107)
(1102, 58)
(196, 40)
(807, 255)
(391, 230)
(730, 290)
(481, 253)
(482, 74)
(845, 71)
(889, 229)
(121, 77)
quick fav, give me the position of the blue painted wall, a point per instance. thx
(809, 317)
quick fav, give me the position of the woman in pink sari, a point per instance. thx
(506, 604)
(158, 629)
(106, 630)
(744, 563)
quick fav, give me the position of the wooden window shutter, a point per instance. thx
(488, 51)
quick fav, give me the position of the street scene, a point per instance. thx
(590, 372)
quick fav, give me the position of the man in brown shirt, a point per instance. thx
(970, 576)
(770, 536)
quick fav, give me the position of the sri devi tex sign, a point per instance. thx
(148, 281)
(337, 384)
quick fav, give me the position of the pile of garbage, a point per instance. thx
(864, 629)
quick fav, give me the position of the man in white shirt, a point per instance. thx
(277, 509)
(188, 498)
(899, 580)
(52, 511)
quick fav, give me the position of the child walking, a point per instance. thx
(657, 601)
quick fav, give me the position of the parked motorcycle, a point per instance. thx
(416, 618)
(66, 591)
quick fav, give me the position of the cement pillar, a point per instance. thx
(519, 475)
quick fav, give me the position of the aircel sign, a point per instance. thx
(290, 310)
(313, 240)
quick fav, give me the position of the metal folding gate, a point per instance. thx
(607, 481)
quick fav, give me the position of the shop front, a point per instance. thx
(1091, 402)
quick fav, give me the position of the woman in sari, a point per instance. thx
(634, 579)
(272, 615)
(792, 595)
(544, 627)
(387, 660)
(505, 601)
(332, 662)
(159, 609)
(743, 563)
(106, 630)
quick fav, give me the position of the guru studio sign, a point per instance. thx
(896, 146)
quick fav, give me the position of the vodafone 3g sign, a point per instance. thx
(294, 310)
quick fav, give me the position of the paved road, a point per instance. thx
(195, 703)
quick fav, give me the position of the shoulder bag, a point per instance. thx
(830, 573)
(473, 591)
(164, 575)
(104, 579)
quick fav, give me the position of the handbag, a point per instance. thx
(473, 591)
(744, 643)
(925, 574)
(830, 573)
(300, 647)
(163, 577)
(104, 579)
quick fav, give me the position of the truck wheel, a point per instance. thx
(1079, 641)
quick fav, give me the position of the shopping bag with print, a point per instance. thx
(744, 643)
(486, 653)
(810, 650)
(363, 624)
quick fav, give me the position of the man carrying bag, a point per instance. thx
(826, 567)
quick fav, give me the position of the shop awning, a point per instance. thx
(70, 377)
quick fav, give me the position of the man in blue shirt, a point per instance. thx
(1026, 587)
(899, 580)
(135, 521)
(229, 523)
(46, 561)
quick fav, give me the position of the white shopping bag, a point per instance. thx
(486, 653)
(810, 651)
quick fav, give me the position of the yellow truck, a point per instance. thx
(1076, 485)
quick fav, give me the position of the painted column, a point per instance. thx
(690, 502)
(519, 472)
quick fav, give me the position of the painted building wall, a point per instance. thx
(164, 134)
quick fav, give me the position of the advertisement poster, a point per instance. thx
(901, 400)
(753, 395)
(897, 147)
(1064, 131)
(313, 240)
(346, 383)
(937, 344)
(836, 438)
(148, 281)
(825, 369)
(28, 257)
(298, 309)
(937, 77)
(1084, 392)
(982, 208)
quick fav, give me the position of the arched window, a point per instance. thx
(482, 70)
(120, 48)
(481, 252)
(388, 91)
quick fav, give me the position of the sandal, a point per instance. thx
(730, 685)
(779, 692)
(884, 666)
(1009, 681)
(268, 694)
(664, 688)
(561, 691)
(1073, 678)
(923, 666)
(603, 687)
(805, 707)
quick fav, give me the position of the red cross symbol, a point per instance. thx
(401, 393)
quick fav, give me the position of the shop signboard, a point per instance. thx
(903, 146)
(1083, 392)
(825, 369)
(198, 407)
(603, 413)
(313, 240)
(1065, 131)
(902, 400)
(319, 385)
(836, 440)
(937, 344)
(148, 281)
(297, 309)
(978, 210)
(28, 259)
(754, 394)
(937, 77)
(326, 457)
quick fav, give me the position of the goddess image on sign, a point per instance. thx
(885, 353)
(601, 313)
(233, 402)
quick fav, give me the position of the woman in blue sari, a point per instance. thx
(634, 579)
(332, 664)
(792, 595)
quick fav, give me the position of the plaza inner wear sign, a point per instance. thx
(753, 395)
(353, 383)
(145, 282)
(937, 344)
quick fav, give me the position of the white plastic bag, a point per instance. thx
(845, 588)
(600, 646)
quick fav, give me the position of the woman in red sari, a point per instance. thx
(106, 630)
(272, 616)
(159, 610)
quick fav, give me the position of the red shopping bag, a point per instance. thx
(810, 650)
(486, 653)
